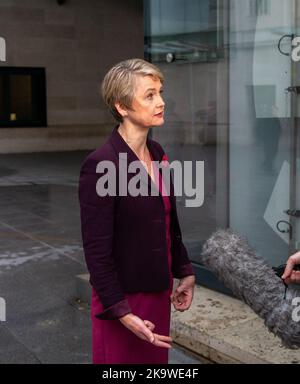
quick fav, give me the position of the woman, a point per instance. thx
(132, 244)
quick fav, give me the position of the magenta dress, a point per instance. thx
(112, 342)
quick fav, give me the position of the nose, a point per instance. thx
(160, 102)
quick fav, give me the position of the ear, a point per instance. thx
(122, 110)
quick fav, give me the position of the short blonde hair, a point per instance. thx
(119, 83)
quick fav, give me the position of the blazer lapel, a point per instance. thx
(121, 146)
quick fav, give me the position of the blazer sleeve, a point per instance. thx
(97, 224)
(182, 265)
(184, 268)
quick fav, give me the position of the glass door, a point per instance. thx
(294, 207)
(263, 125)
(296, 218)
(232, 100)
(185, 39)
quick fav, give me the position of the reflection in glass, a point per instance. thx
(260, 123)
(183, 39)
(229, 102)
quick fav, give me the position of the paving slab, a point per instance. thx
(44, 320)
(13, 351)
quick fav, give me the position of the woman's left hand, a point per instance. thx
(183, 295)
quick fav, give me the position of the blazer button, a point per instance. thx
(178, 237)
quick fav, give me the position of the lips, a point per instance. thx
(159, 114)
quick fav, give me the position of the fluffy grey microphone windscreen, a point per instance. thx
(230, 257)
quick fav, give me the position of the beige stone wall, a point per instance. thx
(76, 43)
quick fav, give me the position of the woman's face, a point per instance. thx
(147, 105)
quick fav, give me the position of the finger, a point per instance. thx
(148, 334)
(149, 325)
(178, 295)
(181, 299)
(161, 344)
(173, 295)
(288, 269)
(295, 277)
(184, 305)
(177, 307)
(177, 302)
(287, 281)
(167, 339)
(162, 341)
(182, 308)
(179, 290)
(187, 301)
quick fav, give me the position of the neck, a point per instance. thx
(135, 137)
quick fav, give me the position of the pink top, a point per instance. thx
(167, 205)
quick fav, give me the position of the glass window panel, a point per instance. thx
(188, 30)
(230, 102)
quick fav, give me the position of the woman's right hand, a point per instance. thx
(143, 329)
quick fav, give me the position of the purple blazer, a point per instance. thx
(124, 237)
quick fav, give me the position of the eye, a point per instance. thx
(150, 96)
(161, 91)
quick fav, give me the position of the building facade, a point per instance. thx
(73, 42)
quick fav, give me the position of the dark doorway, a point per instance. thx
(22, 97)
